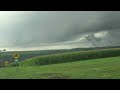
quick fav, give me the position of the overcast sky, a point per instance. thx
(33, 30)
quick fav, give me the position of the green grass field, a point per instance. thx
(105, 68)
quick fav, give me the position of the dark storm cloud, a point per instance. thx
(31, 29)
(55, 26)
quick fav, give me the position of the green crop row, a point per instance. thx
(70, 57)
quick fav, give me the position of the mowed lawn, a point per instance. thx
(106, 68)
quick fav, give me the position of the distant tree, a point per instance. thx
(4, 49)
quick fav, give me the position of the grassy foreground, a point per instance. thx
(105, 68)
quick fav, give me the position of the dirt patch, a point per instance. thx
(54, 76)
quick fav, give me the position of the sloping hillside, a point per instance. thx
(106, 68)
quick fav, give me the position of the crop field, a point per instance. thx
(71, 57)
